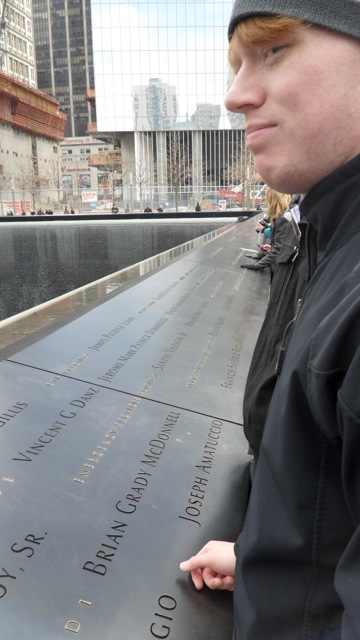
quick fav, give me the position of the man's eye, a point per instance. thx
(272, 52)
(276, 49)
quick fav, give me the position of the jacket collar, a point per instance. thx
(332, 208)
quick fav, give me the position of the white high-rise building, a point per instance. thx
(17, 56)
(155, 106)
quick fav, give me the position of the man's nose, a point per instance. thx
(245, 91)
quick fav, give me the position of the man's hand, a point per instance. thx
(214, 566)
(252, 267)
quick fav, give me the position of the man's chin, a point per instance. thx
(276, 175)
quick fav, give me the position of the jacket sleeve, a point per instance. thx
(277, 238)
(347, 576)
(334, 377)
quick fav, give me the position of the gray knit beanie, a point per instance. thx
(338, 15)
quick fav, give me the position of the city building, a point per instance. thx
(31, 127)
(31, 124)
(161, 74)
(17, 57)
(64, 57)
(90, 173)
(154, 74)
(155, 106)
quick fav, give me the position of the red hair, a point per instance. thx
(262, 30)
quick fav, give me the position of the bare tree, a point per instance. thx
(3, 181)
(29, 179)
(240, 171)
(179, 170)
(143, 179)
(55, 174)
(139, 172)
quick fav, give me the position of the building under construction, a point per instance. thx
(31, 127)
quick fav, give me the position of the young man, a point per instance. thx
(295, 567)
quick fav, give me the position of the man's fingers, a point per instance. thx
(191, 564)
(197, 579)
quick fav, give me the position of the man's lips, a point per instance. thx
(257, 130)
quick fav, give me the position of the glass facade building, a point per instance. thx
(158, 70)
(64, 57)
(168, 58)
(161, 75)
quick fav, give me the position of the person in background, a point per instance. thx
(148, 209)
(277, 206)
(197, 206)
(295, 565)
(263, 228)
(284, 294)
(160, 209)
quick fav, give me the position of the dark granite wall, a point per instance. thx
(40, 261)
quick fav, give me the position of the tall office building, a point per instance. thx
(16, 41)
(31, 124)
(64, 57)
(161, 75)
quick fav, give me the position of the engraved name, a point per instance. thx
(216, 289)
(32, 543)
(217, 326)
(234, 362)
(238, 283)
(196, 315)
(102, 448)
(69, 369)
(57, 426)
(121, 361)
(196, 497)
(169, 351)
(187, 295)
(201, 363)
(104, 339)
(129, 505)
(158, 297)
(229, 302)
(164, 616)
(11, 413)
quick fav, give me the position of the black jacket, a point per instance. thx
(298, 557)
(287, 285)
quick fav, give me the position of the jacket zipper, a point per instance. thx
(282, 348)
